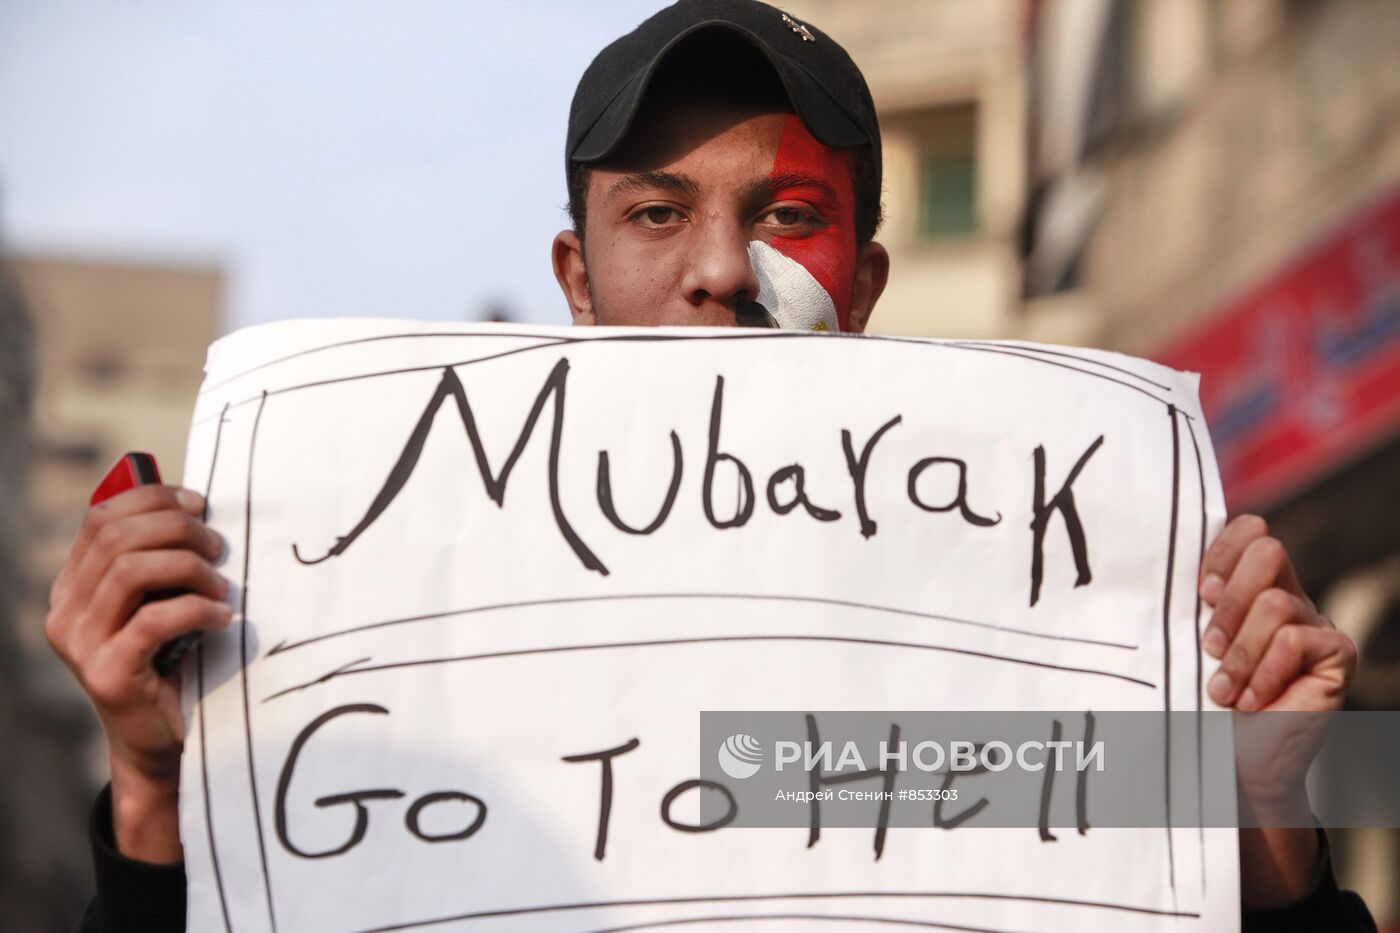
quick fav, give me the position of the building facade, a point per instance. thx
(96, 358)
(947, 81)
(1214, 184)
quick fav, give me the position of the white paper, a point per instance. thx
(459, 649)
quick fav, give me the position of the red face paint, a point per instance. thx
(829, 253)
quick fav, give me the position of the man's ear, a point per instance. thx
(572, 275)
(872, 272)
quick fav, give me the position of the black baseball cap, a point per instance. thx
(825, 87)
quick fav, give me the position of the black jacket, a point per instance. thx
(138, 897)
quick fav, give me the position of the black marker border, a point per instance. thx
(199, 688)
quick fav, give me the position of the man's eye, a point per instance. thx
(790, 217)
(658, 216)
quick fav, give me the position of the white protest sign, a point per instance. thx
(468, 559)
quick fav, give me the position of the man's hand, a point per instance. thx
(1277, 651)
(139, 542)
(1278, 654)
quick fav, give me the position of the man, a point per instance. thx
(724, 169)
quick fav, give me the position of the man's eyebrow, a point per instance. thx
(670, 182)
(774, 185)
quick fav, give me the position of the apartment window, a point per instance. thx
(945, 141)
(948, 195)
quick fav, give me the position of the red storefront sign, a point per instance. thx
(1302, 370)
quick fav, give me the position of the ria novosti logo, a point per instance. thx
(740, 756)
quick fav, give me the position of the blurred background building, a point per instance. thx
(119, 352)
(97, 357)
(1214, 184)
(1211, 183)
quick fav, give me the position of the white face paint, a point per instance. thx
(789, 293)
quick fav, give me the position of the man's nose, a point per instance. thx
(718, 269)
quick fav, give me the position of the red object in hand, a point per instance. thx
(132, 470)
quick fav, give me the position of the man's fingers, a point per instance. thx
(1225, 551)
(1263, 628)
(133, 576)
(1273, 609)
(115, 674)
(134, 501)
(145, 531)
(1262, 565)
(130, 652)
(1293, 651)
(131, 502)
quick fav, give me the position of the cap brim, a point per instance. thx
(818, 111)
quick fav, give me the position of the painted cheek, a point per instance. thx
(830, 253)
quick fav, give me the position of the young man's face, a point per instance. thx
(706, 206)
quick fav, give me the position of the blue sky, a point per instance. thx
(334, 157)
